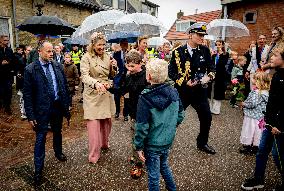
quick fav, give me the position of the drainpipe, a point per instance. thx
(225, 17)
(15, 23)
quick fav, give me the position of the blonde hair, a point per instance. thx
(262, 80)
(158, 69)
(242, 58)
(233, 53)
(96, 36)
(133, 56)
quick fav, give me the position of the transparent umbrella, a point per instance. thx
(156, 41)
(101, 22)
(227, 28)
(146, 24)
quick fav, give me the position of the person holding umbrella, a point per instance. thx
(191, 68)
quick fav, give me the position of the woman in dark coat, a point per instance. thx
(220, 59)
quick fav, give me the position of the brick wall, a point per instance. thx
(269, 15)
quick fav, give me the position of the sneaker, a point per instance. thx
(126, 118)
(19, 93)
(252, 183)
(23, 117)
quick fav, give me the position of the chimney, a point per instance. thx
(179, 14)
(196, 10)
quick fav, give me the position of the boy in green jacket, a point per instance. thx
(159, 112)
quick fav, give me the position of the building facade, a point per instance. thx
(260, 16)
(14, 12)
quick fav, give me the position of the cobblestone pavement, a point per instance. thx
(192, 169)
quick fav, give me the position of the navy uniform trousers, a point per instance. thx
(197, 98)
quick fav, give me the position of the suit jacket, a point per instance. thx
(7, 71)
(37, 99)
(61, 58)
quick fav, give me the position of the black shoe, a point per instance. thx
(125, 118)
(246, 149)
(61, 157)
(116, 116)
(207, 149)
(252, 183)
(37, 179)
(81, 100)
(254, 150)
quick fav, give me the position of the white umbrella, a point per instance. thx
(156, 41)
(210, 37)
(102, 21)
(227, 28)
(146, 24)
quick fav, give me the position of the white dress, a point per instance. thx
(251, 133)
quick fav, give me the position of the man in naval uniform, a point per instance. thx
(191, 68)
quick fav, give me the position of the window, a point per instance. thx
(121, 4)
(182, 26)
(144, 8)
(250, 17)
(4, 26)
(107, 2)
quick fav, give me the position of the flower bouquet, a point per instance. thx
(238, 89)
(136, 170)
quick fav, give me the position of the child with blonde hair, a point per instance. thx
(253, 107)
(159, 111)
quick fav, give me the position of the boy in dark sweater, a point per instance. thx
(135, 81)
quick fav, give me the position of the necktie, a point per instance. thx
(50, 81)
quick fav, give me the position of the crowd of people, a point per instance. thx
(156, 86)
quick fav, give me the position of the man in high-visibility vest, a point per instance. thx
(76, 55)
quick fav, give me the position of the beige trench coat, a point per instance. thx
(95, 105)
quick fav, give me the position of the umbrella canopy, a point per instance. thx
(47, 25)
(145, 23)
(100, 22)
(116, 37)
(227, 28)
(156, 41)
(78, 40)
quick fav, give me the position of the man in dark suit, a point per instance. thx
(46, 100)
(191, 68)
(58, 56)
(7, 67)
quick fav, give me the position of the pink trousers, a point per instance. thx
(98, 134)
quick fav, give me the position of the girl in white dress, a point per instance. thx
(253, 107)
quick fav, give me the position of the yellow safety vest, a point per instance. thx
(151, 53)
(76, 56)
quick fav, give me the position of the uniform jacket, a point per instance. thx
(159, 112)
(72, 76)
(255, 104)
(200, 63)
(94, 69)
(37, 100)
(275, 107)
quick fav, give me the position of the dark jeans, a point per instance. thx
(117, 96)
(157, 163)
(268, 143)
(199, 101)
(56, 119)
(5, 93)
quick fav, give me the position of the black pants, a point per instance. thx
(117, 96)
(5, 93)
(56, 119)
(197, 98)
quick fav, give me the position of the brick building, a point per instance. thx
(177, 31)
(14, 12)
(260, 16)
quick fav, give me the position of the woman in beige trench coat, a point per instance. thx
(98, 103)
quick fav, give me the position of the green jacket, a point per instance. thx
(159, 111)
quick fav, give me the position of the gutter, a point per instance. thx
(15, 23)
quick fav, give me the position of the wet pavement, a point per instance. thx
(192, 169)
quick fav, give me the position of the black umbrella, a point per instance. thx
(47, 25)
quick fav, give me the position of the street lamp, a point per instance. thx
(39, 4)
